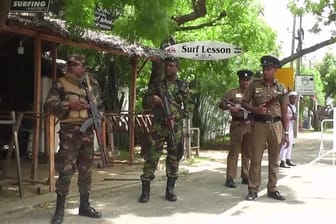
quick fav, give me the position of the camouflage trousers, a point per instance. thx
(76, 153)
(153, 151)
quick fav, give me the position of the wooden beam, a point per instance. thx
(67, 41)
(131, 108)
(37, 105)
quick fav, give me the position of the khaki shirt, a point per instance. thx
(235, 96)
(259, 93)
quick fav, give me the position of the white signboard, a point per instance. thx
(204, 50)
(304, 85)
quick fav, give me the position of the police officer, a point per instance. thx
(269, 104)
(67, 101)
(170, 93)
(240, 130)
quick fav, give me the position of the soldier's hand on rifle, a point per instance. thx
(171, 121)
(233, 109)
(78, 104)
(262, 109)
(157, 100)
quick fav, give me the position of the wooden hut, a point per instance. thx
(23, 40)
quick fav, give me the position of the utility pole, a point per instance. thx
(293, 38)
(299, 37)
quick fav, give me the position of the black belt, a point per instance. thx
(266, 118)
(240, 119)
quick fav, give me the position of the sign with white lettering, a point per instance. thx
(29, 6)
(104, 18)
(304, 85)
(204, 50)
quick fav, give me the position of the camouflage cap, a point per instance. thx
(75, 59)
(172, 59)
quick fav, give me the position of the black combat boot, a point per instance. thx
(85, 209)
(59, 212)
(144, 197)
(170, 194)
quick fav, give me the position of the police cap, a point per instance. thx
(269, 60)
(244, 74)
(172, 59)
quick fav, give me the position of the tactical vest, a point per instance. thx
(73, 91)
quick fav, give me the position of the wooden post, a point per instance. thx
(4, 7)
(131, 108)
(37, 106)
(53, 58)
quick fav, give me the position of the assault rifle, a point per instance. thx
(168, 116)
(274, 99)
(95, 120)
(242, 109)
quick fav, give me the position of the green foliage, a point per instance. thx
(150, 21)
(327, 70)
(322, 10)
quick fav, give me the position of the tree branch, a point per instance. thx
(308, 50)
(199, 10)
(206, 24)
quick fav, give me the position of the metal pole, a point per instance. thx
(293, 39)
(298, 71)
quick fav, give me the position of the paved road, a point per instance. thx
(202, 197)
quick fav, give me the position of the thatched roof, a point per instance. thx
(100, 40)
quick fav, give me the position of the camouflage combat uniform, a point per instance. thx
(76, 149)
(180, 105)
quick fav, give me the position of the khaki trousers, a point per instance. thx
(262, 133)
(240, 142)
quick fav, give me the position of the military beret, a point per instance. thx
(172, 59)
(244, 73)
(269, 60)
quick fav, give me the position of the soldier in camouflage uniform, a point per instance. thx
(177, 95)
(67, 100)
(240, 130)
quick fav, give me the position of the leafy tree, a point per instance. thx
(233, 21)
(324, 13)
(327, 71)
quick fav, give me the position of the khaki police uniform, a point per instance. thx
(240, 137)
(266, 129)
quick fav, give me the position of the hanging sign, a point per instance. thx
(304, 85)
(104, 18)
(204, 50)
(29, 6)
